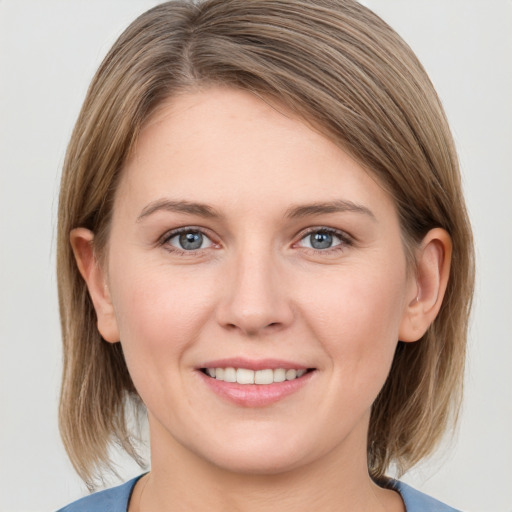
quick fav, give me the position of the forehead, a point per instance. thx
(226, 146)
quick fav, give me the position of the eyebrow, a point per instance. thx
(336, 206)
(168, 205)
(204, 210)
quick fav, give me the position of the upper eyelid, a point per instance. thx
(339, 232)
(184, 229)
(164, 241)
(343, 235)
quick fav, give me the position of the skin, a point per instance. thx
(256, 289)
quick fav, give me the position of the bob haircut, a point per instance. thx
(341, 69)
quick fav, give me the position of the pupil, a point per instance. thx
(190, 241)
(321, 240)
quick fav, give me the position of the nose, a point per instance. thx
(255, 300)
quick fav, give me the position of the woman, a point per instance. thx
(262, 241)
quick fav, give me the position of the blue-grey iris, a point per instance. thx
(321, 240)
(191, 240)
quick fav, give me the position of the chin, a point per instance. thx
(258, 455)
(261, 465)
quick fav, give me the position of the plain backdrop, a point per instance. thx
(49, 50)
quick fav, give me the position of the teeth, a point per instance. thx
(279, 375)
(291, 374)
(264, 377)
(229, 375)
(246, 376)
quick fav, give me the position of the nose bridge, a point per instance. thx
(255, 299)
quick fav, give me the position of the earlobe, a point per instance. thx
(81, 240)
(433, 260)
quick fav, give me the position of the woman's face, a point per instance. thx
(243, 239)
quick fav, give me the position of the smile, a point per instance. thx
(247, 376)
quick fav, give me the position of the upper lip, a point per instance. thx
(254, 364)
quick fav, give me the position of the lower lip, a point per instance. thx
(255, 395)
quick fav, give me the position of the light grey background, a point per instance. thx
(49, 50)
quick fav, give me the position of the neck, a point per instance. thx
(338, 482)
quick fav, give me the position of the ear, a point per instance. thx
(433, 260)
(95, 277)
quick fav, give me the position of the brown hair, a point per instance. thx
(338, 66)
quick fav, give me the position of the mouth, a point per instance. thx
(255, 382)
(246, 376)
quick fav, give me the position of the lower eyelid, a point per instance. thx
(343, 238)
(176, 235)
(165, 240)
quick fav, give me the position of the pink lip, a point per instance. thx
(254, 364)
(254, 395)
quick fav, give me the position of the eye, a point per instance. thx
(322, 239)
(188, 240)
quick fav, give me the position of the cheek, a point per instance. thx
(357, 319)
(159, 315)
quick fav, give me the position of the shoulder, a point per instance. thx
(416, 501)
(110, 500)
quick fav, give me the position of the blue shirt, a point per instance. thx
(117, 498)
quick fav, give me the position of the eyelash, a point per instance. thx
(165, 241)
(345, 240)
